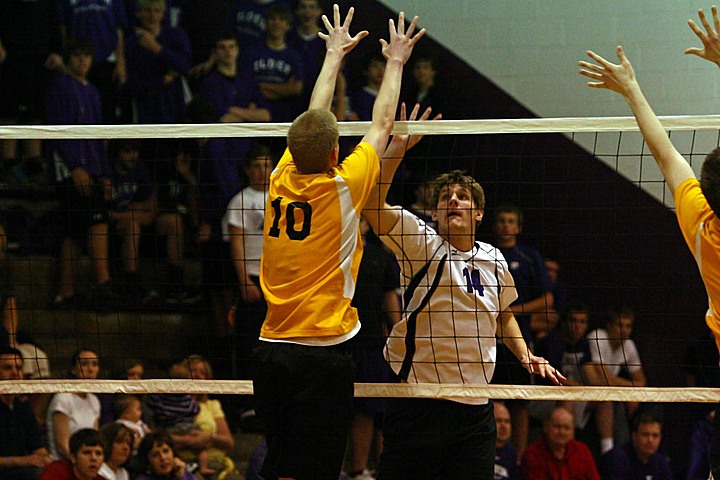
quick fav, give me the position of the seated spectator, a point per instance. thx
(157, 57)
(132, 208)
(424, 88)
(304, 39)
(422, 203)
(117, 446)
(214, 434)
(85, 458)
(70, 412)
(506, 464)
(542, 323)
(80, 174)
(128, 411)
(699, 448)
(557, 455)
(121, 369)
(157, 460)
(175, 413)
(277, 67)
(638, 459)
(362, 101)
(22, 454)
(560, 295)
(613, 351)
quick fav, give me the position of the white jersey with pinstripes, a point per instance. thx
(451, 303)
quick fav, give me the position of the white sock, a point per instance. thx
(606, 444)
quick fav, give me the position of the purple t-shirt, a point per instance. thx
(72, 102)
(275, 66)
(312, 54)
(506, 466)
(224, 92)
(95, 20)
(133, 186)
(362, 103)
(158, 101)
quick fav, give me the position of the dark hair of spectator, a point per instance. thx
(85, 437)
(148, 442)
(5, 350)
(281, 11)
(508, 208)
(111, 432)
(78, 46)
(644, 418)
(122, 402)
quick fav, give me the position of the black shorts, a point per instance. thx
(303, 399)
(77, 213)
(437, 439)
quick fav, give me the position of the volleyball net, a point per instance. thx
(593, 201)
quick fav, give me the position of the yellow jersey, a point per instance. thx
(312, 247)
(701, 229)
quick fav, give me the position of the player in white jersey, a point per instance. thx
(457, 294)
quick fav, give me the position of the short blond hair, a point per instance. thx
(311, 139)
(458, 177)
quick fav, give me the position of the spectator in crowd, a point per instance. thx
(534, 291)
(568, 350)
(71, 412)
(249, 20)
(128, 411)
(542, 323)
(378, 304)
(235, 97)
(103, 23)
(558, 455)
(614, 352)
(559, 290)
(157, 58)
(699, 444)
(157, 459)
(506, 463)
(121, 369)
(27, 49)
(84, 460)
(132, 208)
(117, 447)
(638, 459)
(213, 435)
(305, 40)
(422, 198)
(424, 88)
(276, 66)
(245, 218)
(306, 409)
(362, 101)
(22, 454)
(175, 413)
(80, 173)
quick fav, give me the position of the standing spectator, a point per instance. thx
(447, 333)
(559, 290)
(157, 58)
(614, 352)
(378, 304)
(103, 23)
(80, 173)
(71, 412)
(638, 459)
(506, 464)
(244, 222)
(424, 88)
(305, 40)
(84, 460)
(276, 66)
(304, 383)
(22, 454)
(27, 50)
(534, 291)
(558, 456)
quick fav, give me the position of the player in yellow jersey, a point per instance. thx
(312, 248)
(697, 202)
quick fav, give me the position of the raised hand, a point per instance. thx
(710, 38)
(338, 36)
(401, 42)
(618, 78)
(409, 141)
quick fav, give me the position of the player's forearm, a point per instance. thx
(509, 330)
(673, 166)
(325, 84)
(385, 107)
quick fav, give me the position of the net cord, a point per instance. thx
(436, 127)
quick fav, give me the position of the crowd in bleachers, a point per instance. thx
(89, 62)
